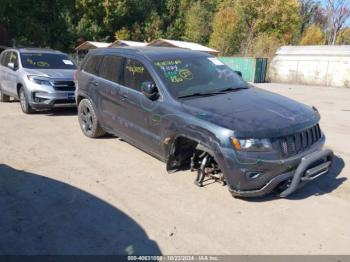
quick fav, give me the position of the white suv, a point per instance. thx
(39, 78)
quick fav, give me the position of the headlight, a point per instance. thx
(251, 144)
(40, 80)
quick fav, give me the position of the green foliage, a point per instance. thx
(265, 45)
(313, 36)
(275, 17)
(122, 34)
(198, 23)
(248, 27)
(344, 37)
(37, 23)
(153, 27)
(255, 27)
(224, 30)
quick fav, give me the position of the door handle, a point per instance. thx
(95, 83)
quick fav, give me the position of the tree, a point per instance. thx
(265, 45)
(344, 37)
(278, 19)
(224, 28)
(173, 16)
(308, 11)
(338, 13)
(198, 23)
(153, 27)
(37, 23)
(122, 34)
(313, 36)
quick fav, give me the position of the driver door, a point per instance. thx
(141, 112)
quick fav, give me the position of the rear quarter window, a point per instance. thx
(111, 68)
(92, 64)
(5, 58)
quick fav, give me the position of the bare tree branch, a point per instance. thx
(338, 12)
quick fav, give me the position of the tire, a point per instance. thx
(23, 100)
(88, 121)
(4, 98)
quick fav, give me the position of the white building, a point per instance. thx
(312, 65)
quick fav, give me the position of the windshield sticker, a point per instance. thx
(67, 62)
(215, 61)
(135, 69)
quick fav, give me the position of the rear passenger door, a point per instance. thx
(111, 104)
(89, 81)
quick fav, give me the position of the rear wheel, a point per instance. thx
(23, 100)
(3, 97)
(88, 121)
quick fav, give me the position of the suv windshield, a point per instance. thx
(46, 61)
(198, 75)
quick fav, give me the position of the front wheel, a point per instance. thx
(23, 100)
(88, 120)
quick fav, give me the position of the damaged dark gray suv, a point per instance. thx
(193, 112)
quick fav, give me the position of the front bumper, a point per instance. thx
(310, 167)
(41, 100)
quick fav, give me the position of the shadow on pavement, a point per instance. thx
(39, 215)
(325, 184)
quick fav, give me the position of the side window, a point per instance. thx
(5, 58)
(111, 68)
(135, 73)
(92, 64)
(2, 58)
(14, 59)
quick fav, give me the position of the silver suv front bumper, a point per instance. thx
(42, 100)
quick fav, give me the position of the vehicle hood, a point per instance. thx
(52, 73)
(253, 113)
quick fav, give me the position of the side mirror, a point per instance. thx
(239, 73)
(11, 65)
(149, 89)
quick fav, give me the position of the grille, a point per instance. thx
(64, 85)
(299, 142)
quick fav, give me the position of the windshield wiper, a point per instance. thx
(197, 94)
(230, 89)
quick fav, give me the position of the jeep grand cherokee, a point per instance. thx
(191, 111)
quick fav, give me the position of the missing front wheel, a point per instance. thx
(207, 169)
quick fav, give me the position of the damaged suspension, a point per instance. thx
(206, 167)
